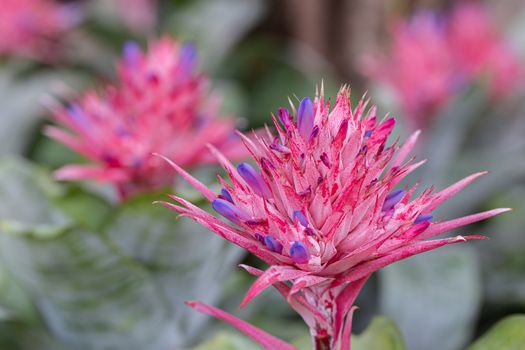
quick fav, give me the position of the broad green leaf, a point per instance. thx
(228, 341)
(185, 260)
(15, 304)
(444, 143)
(507, 334)
(25, 192)
(21, 336)
(442, 288)
(84, 208)
(20, 98)
(382, 334)
(89, 293)
(502, 257)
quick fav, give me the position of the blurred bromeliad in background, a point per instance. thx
(434, 56)
(160, 104)
(35, 28)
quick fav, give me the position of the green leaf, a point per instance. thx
(90, 294)
(507, 334)
(228, 341)
(185, 260)
(84, 208)
(442, 288)
(382, 334)
(20, 98)
(21, 336)
(25, 192)
(15, 304)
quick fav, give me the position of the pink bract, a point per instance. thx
(34, 28)
(159, 104)
(323, 211)
(433, 56)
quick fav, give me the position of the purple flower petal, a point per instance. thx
(228, 210)
(273, 244)
(299, 253)
(305, 118)
(254, 179)
(392, 199)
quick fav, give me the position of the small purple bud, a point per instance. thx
(226, 195)
(187, 57)
(259, 237)
(368, 133)
(305, 117)
(309, 231)
(392, 199)
(279, 148)
(273, 245)
(299, 216)
(313, 135)
(77, 115)
(131, 52)
(254, 179)
(299, 253)
(284, 117)
(422, 218)
(228, 210)
(325, 160)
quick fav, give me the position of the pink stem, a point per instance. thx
(322, 342)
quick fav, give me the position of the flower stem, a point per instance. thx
(321, 342)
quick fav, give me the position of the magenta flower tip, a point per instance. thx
(299, 253)
(305, 117)
(284, 117)
(259, 237)
(392, 199)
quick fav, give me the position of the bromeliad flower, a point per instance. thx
(325, 211)
(433, 56)
(33, 28)
(160, 105)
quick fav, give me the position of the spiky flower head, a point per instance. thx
(433, 56)
(34, 28)
(159, 104)
(324, 207)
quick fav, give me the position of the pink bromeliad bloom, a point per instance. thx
(480, 48)
(434, 56)
(324, 211)
(160, 104)
(34, 28)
